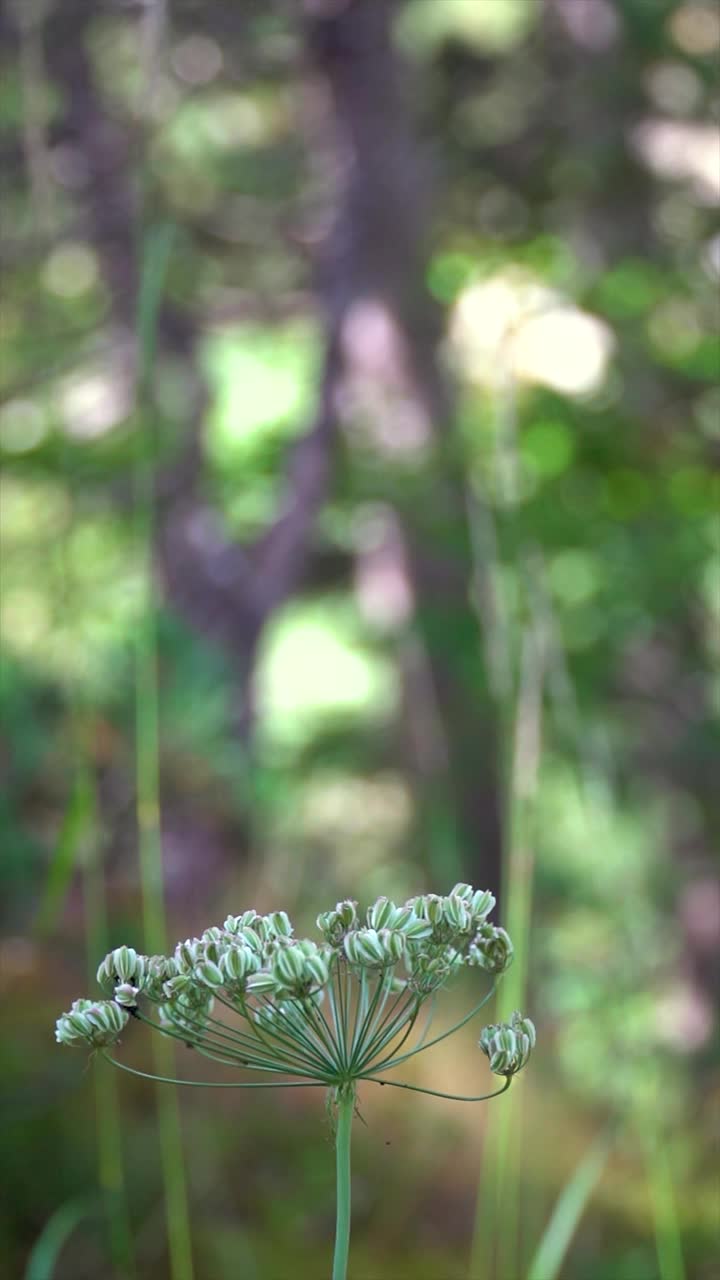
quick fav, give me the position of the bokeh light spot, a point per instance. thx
(23, 426)
(547, 448)
(70, 270)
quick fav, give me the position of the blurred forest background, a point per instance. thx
(360, 378)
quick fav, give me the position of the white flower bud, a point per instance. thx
(126, 994)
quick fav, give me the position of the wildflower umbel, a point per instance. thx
(302, 1013)
(249, 994)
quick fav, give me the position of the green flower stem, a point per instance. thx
(345, 1109)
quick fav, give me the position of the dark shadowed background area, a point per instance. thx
(360, 378)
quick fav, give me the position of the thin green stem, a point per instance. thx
(219, 1084)
(111, 1174)
(421, 1049)
(379, 1032)
(156, 248)
(229, 1057)
(366, 1027)
(406, 1018)
(345, 1109)
(434, 1093)
(295, 1044)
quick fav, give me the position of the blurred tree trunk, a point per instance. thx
(382, 336)
(372, 281)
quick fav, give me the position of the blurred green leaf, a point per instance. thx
(55, 1234)
(556, 1240)
(68, 855)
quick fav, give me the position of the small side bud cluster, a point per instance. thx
(508, 1045)
(491, 949)
(334, 925)
(91, 1022)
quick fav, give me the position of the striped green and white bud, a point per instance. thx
(121, 965)
(364, 948)
(288, 966)
(456, 914)
(279, 924)
(300, 968)
(249, 937)
(187, 954)
(237, 963)
(180, 985)
(93, 1022)
(236, 924)
(381, 913)
(317, 969)
(262, 983)
(491, 949)
(479, 902)
(415, 928)
(430, 969)
(158, 971)
(209, 973)
(374, 949)
(508, 1045)
(428, 907)
(334, 925)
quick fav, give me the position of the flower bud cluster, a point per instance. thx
(254, 964)
(508, 1045)
(334, 925)
(94, 1022)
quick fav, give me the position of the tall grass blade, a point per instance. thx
(54, 1236)
(67, 856)
(156, 254)
(668, 1239)
(553, 1247)
(519, 709)
(111, 1175)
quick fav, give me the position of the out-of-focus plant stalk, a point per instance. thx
(109, 1137)
(79, 850)
(518, 689)
(156, 249)
(668, 1239)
